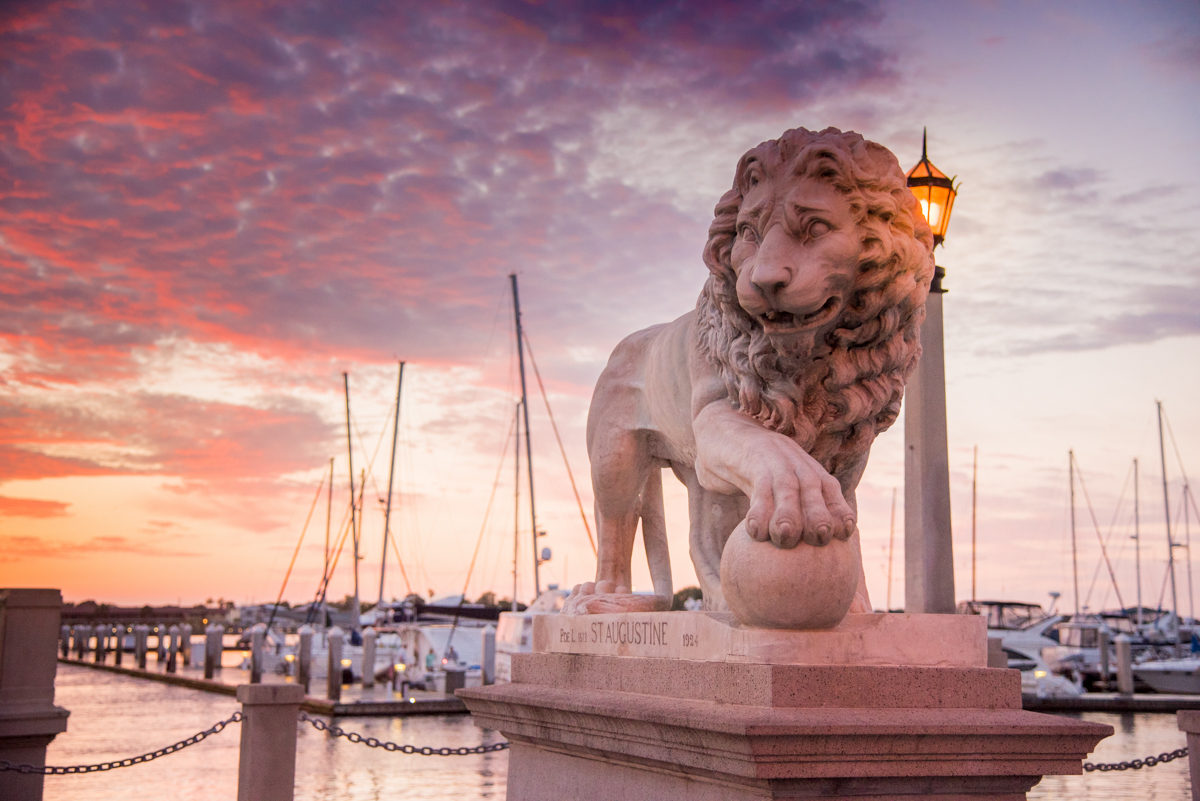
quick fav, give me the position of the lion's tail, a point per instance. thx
(654, 535)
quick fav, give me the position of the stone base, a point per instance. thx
(594, 726)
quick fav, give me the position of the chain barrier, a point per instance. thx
(374, 742)
(52, 770)
(1136, 764)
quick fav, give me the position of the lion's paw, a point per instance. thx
(602, 598)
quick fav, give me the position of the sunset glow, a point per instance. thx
(211, 210)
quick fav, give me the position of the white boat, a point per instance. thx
(1177, 676)
(514, 631)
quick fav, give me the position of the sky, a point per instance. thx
(211, 211)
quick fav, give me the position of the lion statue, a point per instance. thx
(765, 399)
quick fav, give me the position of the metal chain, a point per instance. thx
(373, 742)
(1137, 764)
(51, 770)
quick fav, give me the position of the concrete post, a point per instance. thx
(185, 642)
(29, 720)
(1124, 665)
(304, 657)
(102, 633)
(64, 636)
(333, 676)
(119, 648)
(212, 649)
(141, 633)
(172, 653)
(1188, 721)
(928, 545)
(1105, 660)
(489, 654)
(81, 641)
(267, 763)
(368, 657)
(258, 636)
(160, 644)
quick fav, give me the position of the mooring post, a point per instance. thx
(212, 649)
(185, 642)
(101, 641)
(333, 675)
(64, 636)
(141, 634)
(160, 643)
(119, 647)
(1105, 641)
(258, 636)
(29, 720)
(1124, 664)
(173, 635)
(368, 657)
(489, 654)
(81, 640)
(267, 763)
(304, 657)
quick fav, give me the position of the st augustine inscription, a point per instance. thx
(618, 632)
(654, 634)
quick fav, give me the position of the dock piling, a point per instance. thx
(368, 657)
(141, 633)
(212, 649)
(304, 657)
(333, 673)
(102, 632)
(64, 636)
(1124, 664)
(258, 636)
(173, 647)
(185, 642)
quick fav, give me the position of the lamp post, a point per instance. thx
(928, 546)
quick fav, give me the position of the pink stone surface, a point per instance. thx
(585, 726)
(859, 639)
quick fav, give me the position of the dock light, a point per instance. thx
(935, 191)
(289, 657)
(400, 667)
(346, 663)
(412, 700)
(1039, 674)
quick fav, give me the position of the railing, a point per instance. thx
(267, 757)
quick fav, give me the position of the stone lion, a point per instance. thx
(765, 399)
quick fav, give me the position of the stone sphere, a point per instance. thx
(806, 587)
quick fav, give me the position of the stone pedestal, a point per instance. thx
(607, 708)
(29, 720)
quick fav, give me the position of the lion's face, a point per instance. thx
(795, 254)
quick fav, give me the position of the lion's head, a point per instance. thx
(821, 262)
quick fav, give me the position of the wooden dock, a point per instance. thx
(356, 701)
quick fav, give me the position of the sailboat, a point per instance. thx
(1180, 674)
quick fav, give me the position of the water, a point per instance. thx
(113, 717)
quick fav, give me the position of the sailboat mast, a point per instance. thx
(1137, 543)
(1074, 554)
(387, 509)
(328, 521)
(537, 584)
(516, 498)
(1162, 455)
(353, 527)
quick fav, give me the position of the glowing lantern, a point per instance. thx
(935, 192)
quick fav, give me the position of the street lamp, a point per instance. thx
(928, 545)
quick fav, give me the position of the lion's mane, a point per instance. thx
(831, 396)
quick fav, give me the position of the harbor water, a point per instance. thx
(114, 717)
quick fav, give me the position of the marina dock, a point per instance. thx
(356, 701)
